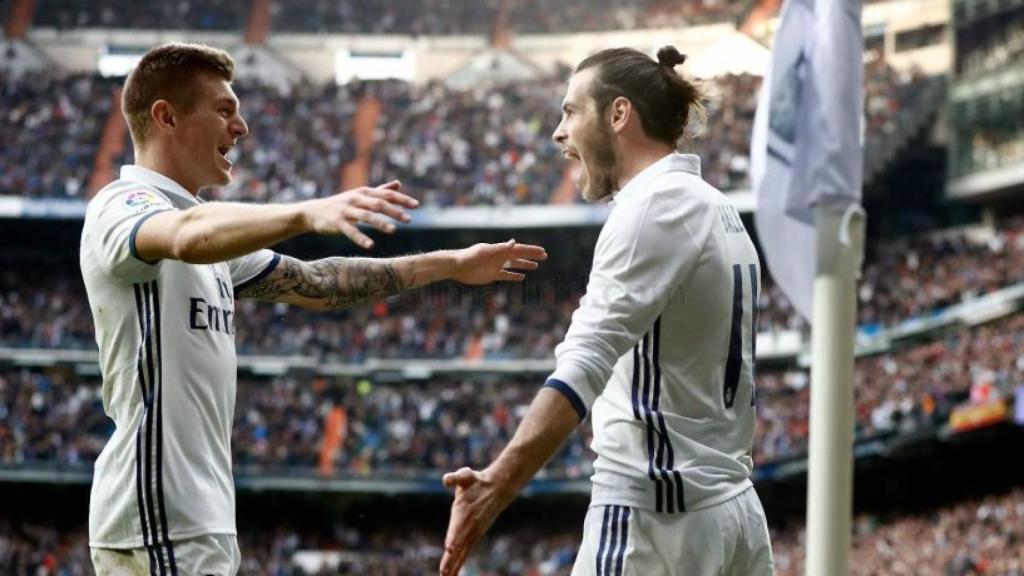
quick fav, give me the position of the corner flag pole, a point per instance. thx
(840, 241)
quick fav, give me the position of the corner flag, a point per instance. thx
(806, 147)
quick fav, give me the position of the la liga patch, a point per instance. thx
(143, 200)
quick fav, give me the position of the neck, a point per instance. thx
(635, 157)
(153, 158)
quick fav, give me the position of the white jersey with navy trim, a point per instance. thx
(166, 341)
(661, 350)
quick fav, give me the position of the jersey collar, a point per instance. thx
(671, 162)
(157, 180)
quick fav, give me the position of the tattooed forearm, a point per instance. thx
(332, 282)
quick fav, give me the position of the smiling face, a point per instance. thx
(585, 137)
(205, 135)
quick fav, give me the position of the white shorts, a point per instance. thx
(207, 555)
(729, 539)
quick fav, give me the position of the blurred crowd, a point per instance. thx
(419, 17)
(55, 418)
(479, 146)
(538, 17)
(411, 426)
(227, 15)
(901, 391)
(980, 536)
(50, 126)
(422, 17)
(44, 306)
(998, 49)
(996, 147)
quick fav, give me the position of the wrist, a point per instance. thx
(301, 216)
(505, 479)
(443, 265)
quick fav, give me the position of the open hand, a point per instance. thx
(486, 263)
(478, 501)
(343, 212)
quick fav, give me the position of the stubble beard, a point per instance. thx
(601, 181)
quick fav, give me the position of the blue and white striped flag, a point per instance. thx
(806, 145)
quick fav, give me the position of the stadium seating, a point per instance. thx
(978, 536)
(409, 428)
(187, 15)
(50, 128)
(485, 146)
(902, 280)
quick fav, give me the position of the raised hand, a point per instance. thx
(486, 263)
(342, 212)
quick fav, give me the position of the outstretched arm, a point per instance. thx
(339, 282)
(220, 231)
(481, 496)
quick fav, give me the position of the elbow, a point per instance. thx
(191, 247)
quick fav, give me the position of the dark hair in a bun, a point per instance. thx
(669, 57)
(661, 96)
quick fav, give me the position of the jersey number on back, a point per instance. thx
(739, 338)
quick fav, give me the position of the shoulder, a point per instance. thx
(127, 197)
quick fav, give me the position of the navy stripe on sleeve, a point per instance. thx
(135, 230)
(570, 394)
(271, 266)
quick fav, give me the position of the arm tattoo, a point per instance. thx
(337, 282)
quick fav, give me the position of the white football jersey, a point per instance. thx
(167, 353)
(661, 349)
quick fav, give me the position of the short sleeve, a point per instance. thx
(251, 268)
(111, 228)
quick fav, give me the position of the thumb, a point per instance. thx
(460, 478)
(393, 185)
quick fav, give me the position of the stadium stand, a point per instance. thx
(485, 146)
(490, 146)
(1004, 46)
(187, 15)
(981, 536)
(408, 428)
(906, 279)
(977, 536)
(51, 125)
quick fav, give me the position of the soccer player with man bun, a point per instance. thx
(162, 270)
(660, 353)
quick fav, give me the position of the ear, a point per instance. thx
(621, 110)
(163, 115)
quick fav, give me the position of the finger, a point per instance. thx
(529, 251)
(392, 194)
(449, 565)
(446, 561)
(355, 235)
(379, 222)
(506, 276)
(393, 185)
(453, 559)
(462, 477)
(381, 206)
(520, 264)
(395, 201)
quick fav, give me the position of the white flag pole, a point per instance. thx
(840, 247)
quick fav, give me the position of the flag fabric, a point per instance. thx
(806, 144)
